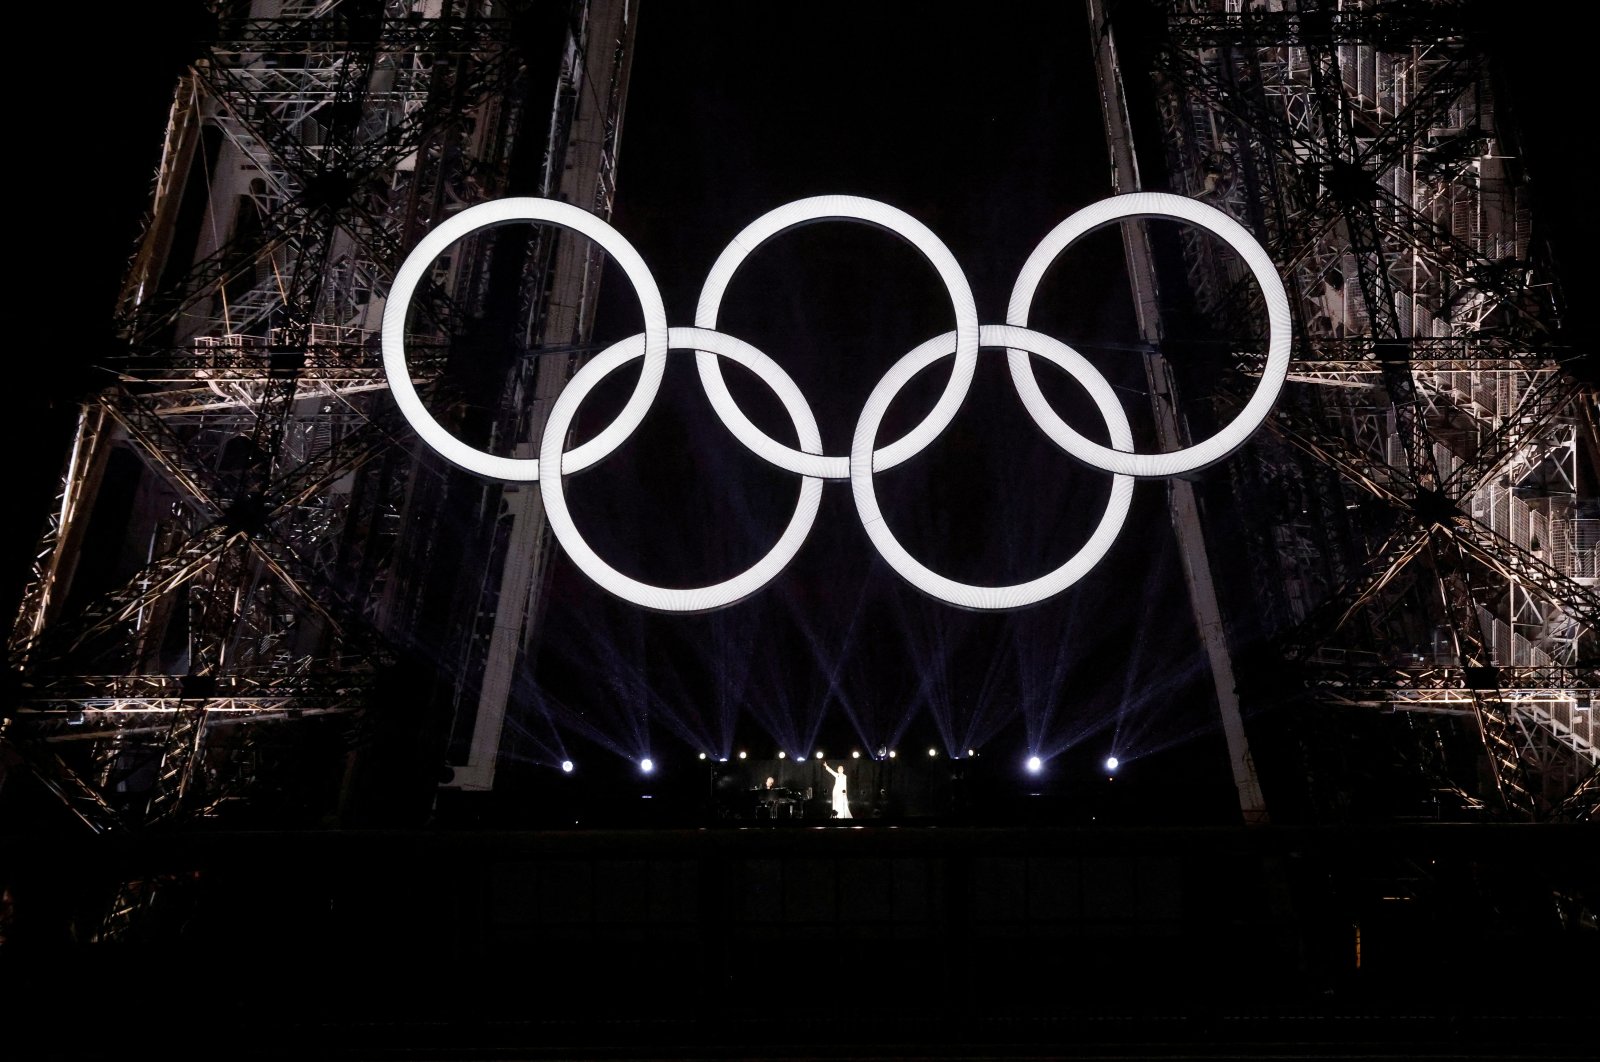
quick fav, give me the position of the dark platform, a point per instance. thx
(1470, 941)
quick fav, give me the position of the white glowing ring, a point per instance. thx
(666, 599)
(847, 208)
(914, 571)
(499, 212)
(1231, 437)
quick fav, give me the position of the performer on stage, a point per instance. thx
(841, 805)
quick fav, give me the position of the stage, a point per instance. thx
(872, 940)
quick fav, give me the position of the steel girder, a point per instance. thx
(322, 143)
(1327, 129)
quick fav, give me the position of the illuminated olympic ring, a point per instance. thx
(864, 459)
(500, 212)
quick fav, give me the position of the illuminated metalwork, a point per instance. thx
(1427, 511)
(269, 577)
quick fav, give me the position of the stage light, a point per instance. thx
(1111, 763)
(782, 755)
(819, 754)
(566, 765)
(933, 752)
(970, 754)
(742, 754)
(891, 754)
(646, 765)
(1035, 765)
(702, 755)
(855, 754)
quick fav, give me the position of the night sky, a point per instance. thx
(988, 131)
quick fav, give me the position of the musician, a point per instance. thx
(771, 797)
(841, 803)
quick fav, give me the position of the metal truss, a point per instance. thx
(1443, 528)
(1390, 24)
(242, 464)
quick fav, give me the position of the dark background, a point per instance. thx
(988, 130)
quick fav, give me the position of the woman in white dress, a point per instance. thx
(841, 804)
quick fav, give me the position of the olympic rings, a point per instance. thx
(668, 600)
(965, 594)
(1230, 438)
(848, 208)
(863, 461)
(500, 212)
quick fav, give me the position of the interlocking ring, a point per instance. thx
(864, 460)
(1279, 331)
(913, 570)
(699, 599)
(503, 212)
(883, 216)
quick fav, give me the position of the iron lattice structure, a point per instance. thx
(270, 543)
(1425, 527)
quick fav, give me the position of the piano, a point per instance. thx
(779, 802)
